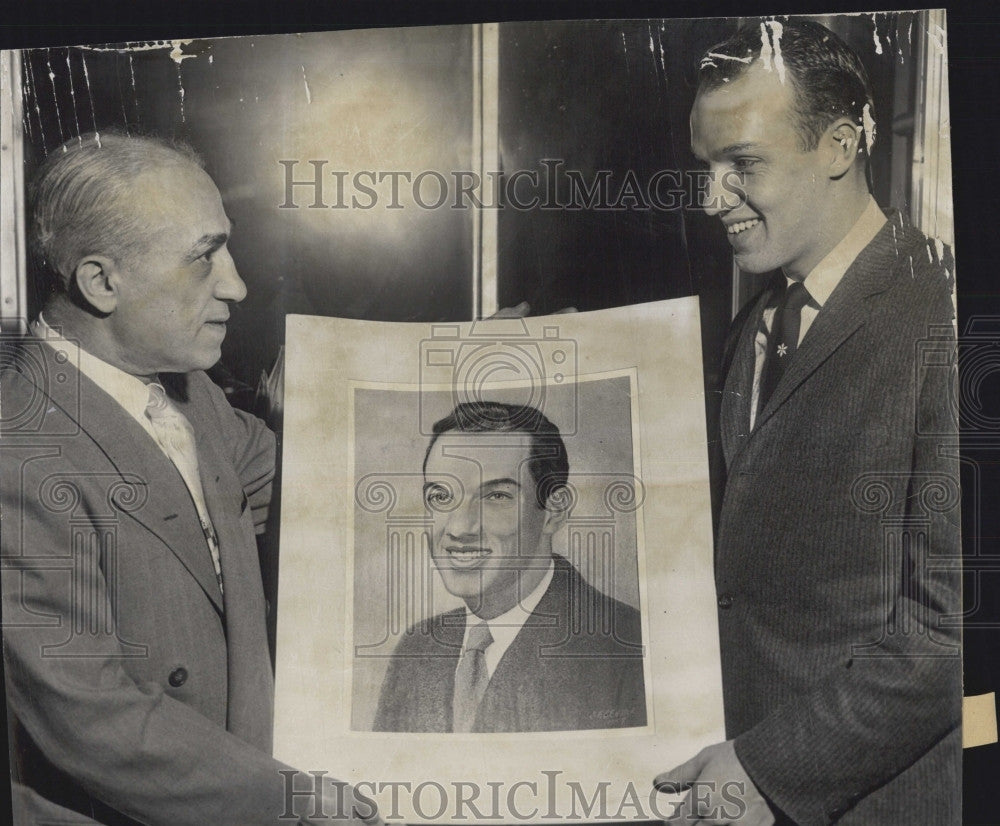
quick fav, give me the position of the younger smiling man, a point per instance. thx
(835, 574)
(537, 648)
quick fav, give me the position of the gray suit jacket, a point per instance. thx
(837, 549)
(135, 690)
(576, 664)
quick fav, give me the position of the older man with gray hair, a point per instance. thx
(138, 676)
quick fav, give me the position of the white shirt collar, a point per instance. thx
(507, 626)
(129, 391)
(827, 274)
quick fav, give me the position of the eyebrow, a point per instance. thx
(488, 484)
(737, 147)
(732, 149)
(210, 241)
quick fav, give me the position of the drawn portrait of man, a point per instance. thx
(536, 647)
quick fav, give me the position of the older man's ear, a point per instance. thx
(95, 281)
(523, 309)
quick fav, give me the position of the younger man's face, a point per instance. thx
(746, 130)
(487, 539)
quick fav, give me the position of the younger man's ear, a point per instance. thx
(95, 278)
(844, 140)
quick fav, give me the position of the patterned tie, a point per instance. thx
(175, 437)
(782, 340)
(471, 678)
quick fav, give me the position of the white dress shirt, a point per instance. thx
(507, 626)
(132, 395)
(820, 284)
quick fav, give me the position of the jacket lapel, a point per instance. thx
(846, 310)
(738, 392)
(168, 512)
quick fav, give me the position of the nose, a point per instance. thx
(714, 195)
(463, 522)
(228, 284)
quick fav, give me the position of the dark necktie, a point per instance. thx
(471, 678)
(782, 340)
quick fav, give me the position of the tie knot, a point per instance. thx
(797, 296)
(158, 405)
(480, 638)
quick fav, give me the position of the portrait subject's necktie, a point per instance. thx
(175, 437)
(471, 678)
(782, 340)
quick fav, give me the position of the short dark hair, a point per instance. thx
(547, 459)
(76, 201)
(828, 77)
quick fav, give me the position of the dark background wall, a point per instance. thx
(377, 100)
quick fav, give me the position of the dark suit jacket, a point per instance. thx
(576, 664)
(134, 689)
(840, 514)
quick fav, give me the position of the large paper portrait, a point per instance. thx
(459, 534)
(532, 491)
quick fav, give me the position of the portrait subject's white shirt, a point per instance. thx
(507, 626)
(820, 284)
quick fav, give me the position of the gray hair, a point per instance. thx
(82, 201)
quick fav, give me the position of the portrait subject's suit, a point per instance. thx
(576, 664)
(136, 690)
(836, 549)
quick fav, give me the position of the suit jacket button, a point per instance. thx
(725, 601)
(178, 677)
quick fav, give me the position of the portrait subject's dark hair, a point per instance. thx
(82, 201)
(547, 459)
(828, 77)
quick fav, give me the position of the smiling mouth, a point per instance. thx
(741, 226)
(467, 554)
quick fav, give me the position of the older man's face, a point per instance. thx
(174, 294)
(487, 534)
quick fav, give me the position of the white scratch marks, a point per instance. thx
(939, 248)
(868, 123)
(726, 57)
(55, 98)
(912, 273)
(176, 48)
(135, 95)
(177, 51)
(90, 97)
(770, 48)
(939, 37)
(180, 89)
(305, 82)
(34, 94)
(72, 94)
(878, 43)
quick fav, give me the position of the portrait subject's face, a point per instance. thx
(745, 131)
(489, 539)
(174, 294)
